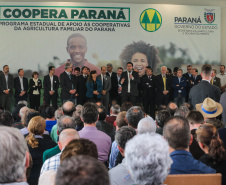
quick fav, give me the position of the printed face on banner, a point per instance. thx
(140, 62)
(77, 49)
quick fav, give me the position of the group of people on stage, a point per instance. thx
(82, 85)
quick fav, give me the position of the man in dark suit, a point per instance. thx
(148, 89)
(81, 86)
(51, 85)
(68, 84)
(188, 76)
(163, 84)
(129, 81)
(106, 83)
(114, 82)
(180, 88)
(6, 88)
(215, 80)
(21, 87)
(204, 89)
(195, 79)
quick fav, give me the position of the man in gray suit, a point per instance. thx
(106, 83)
(6, 88)
(204, 89)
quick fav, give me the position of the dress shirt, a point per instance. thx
(118, 77)
(184, 163)
(179, 84)
(128, 73)
(21, 83)
(102, 141)
(51, 163)
(222, 78)
(51, 80)
(6, 79)
(114, 154)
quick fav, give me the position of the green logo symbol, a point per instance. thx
(150, 20)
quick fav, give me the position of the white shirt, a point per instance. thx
(118, 77)
(222, 78)
(110, 74)
(6, 79)
(51, 80)
(129, 80)
(21, 83)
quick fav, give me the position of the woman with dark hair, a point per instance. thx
(212, 145)
(94, 87)
(141, 55)
(35, 86)
(37, 145)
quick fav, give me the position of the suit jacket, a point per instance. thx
(81, 86)
(66, 85)
(47, 84)
(107, 83)
(201, 91)
(160, 85)
(195, 81)
(148, 86)
(3, 83)
(114, 85)
(18, 88)
(217, 82)
(107, 128)
(89, 85)
(133, 83)
(180, 86)
(33, 87)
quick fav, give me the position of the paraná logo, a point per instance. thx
(150, 20)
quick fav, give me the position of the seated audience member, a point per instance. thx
(146, 125)
(115, 109)
(78, 110)
(42, 110)
(171, 108)
(223, 104)
(20, 124)
(89, 116)
(37, 145)
(50, 118)
(58, 113)
(78, 121)
(68, 108)
(161, 118)
(15, 112)
(133, 116)
(182, 111)
(212, 145)
(126, 106)
(188, 105)
(147, 159)
(210, 110)
(65, 122)
(119, 173)
(104, 126)
(14, 158)
(6, 119)
(65, 137)
(177, 132)
(120, 121)
(195, 120)
(82, 170)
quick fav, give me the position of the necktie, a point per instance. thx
(72, 86)
(164, 82)
(212, 81)
(179, 80)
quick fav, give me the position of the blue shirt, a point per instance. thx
(184, 163)
(114, 154)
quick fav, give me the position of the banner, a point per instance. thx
(36, 35)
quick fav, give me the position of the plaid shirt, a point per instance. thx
(51, 163)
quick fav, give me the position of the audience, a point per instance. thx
(182, 111)
(161, 118)
(115, 109)
(146, 125)
(14, 158)
(177, 132)
(147, 159)
(171, 108)
(89, 116)
(50, 118)
(20, 124)
(133, 116)
(6, 119)
(68, 108)
(212, 145)
(37, 145)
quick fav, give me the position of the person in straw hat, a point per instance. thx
(210, 110)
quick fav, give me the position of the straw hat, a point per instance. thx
(209, 108)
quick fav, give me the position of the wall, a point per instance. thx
(220, 3)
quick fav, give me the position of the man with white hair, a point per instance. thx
(118, 174)
(14, 158)
(163, 85)
(147, 159)
(22, 111)
(65, 137)
(146, 125)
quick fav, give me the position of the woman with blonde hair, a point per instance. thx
(213, 146)
(37, 145)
